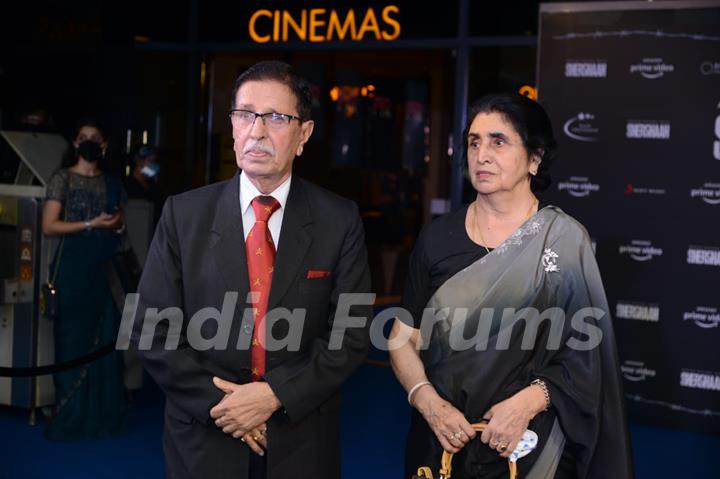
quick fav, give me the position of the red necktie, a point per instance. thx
(260, 253)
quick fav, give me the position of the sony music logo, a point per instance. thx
(631, 189)
(652, 68)
(703, 317)
(700, 380)
(704, 255)
(581, 128)
(648, 129)
(638, 311)
(578, 186)
(585, 69)
(640, 250)
(709, 193)
(636, 371)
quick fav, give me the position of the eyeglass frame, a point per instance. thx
(263, 116)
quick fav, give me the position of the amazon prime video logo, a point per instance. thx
(709, 193)
(636, 371)
(640, 250)
(652, 68)
(703, 317)
(578, 186)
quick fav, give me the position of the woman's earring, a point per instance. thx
(534, 171)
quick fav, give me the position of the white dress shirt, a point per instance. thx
(248, 192)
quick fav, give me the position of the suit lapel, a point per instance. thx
(228, 246)
(294, 241)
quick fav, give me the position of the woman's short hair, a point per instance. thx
(530, 121)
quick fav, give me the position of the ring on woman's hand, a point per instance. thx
(503, 447)
(255, 438)
(458, 435)
(242, 439)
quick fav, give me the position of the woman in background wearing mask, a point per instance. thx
(83, 206)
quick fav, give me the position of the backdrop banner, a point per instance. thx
(633, 89)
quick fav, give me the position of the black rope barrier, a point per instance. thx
(59, 367)
(98, 353)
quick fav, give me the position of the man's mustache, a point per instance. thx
(258, 146)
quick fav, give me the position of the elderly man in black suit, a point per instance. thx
(235, 406)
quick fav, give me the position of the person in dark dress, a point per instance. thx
(84, 207)
(507, 321)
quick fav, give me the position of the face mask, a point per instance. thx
(150, 170)
(90, 150)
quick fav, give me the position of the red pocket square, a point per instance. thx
(313, 273)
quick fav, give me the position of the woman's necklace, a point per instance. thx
(479, 230)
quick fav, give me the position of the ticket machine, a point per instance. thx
(27, 161)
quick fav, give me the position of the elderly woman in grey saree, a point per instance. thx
(507, 321)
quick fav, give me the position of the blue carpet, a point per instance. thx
(26, 454)
(375, 421)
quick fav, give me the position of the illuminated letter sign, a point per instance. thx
(319, 25)
(251, 26)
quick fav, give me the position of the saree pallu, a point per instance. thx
(90, 399)
(534, 307)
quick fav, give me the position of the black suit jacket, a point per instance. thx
(196, 257)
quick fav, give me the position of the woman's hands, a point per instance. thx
(449, 425)
(107, 221)
(509, 419)
(52, 224)
(447, 422)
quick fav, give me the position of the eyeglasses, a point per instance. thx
(271, 119)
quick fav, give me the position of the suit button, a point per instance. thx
(247, 328)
